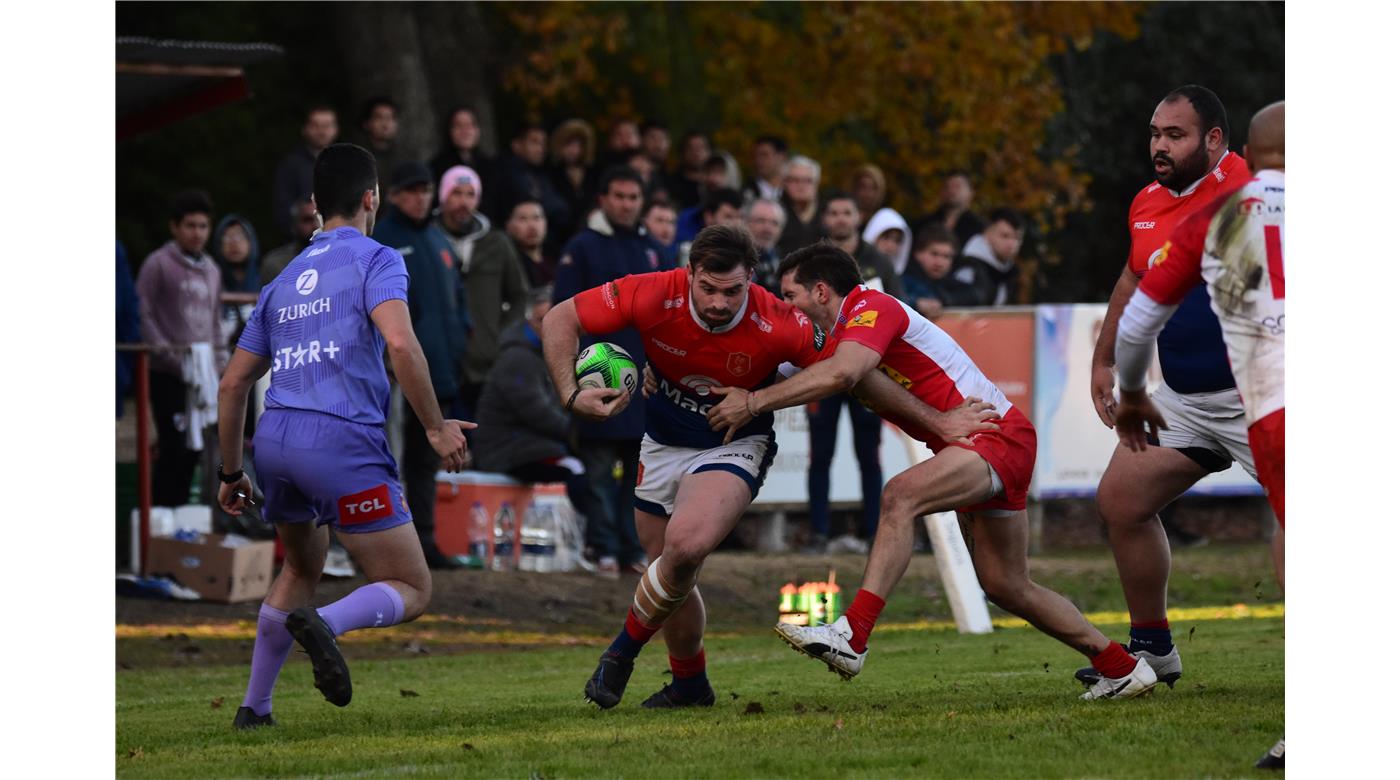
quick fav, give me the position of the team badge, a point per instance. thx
(738, 363)
(446, 256)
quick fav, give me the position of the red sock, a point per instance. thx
(638, 630)
(688, 667)
(864, 611)
(1113, 661)
(1151, 624)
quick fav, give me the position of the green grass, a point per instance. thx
(930, 703)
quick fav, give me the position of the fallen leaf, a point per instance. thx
(754, 708)
(799, 708)
(217, 703)
(467, 746)
(135, 752)
(415, 646)
(407, 694)
(952, 714)
(1200, 686)
(840, 724)
(733, 695)
(1190, 633)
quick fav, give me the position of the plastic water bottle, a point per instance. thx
(504, 559)
(478, 535)
(537, 545)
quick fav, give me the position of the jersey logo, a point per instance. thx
(738, 363)
(699, 384)
(673, 303)
(306, 283)
(865, 319)
(1144, 225)
(667, 347)
(610, 295)
(1160, 256)
(818, 337)
(763, 325)
(1250, 206)
(653, 259)
(365, 506)
(446, 256)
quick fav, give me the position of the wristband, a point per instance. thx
(229, 479)
(569, 405)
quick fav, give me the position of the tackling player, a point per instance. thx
(703, 327)
(1205, 420)
(1235, 246)
(984, 476)
(320, 453)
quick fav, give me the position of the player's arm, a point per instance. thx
(1101, 369)
(411, 368)
(562, 329)
(837, 374)
(892, 402)
(243, 370)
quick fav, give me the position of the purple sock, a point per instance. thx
(269, 653)
(372, 606)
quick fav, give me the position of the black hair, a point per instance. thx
(934, 234)
(1010, 216)
(510, 212)
(779, 145)
(822, 262)
(656, 203)
(689, 134)
(715, 161)
(316, 108)
(342, 174)
(653, 124)
(527, 127)
(375, 102)
(618, 173)
(721, 196)
(190, 202)
(1208, 107)
(450, 117)
(721, 248)
(836, 195)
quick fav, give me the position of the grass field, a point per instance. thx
(930, 703)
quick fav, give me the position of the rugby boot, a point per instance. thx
(609, 680)
(669, 697)
(1166, 667)
(247, 719)
(1272, 759)
(828, 642)
(1139, 681)
(327, 664)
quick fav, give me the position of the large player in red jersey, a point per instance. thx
(1235, 247)
(703, 327)
(1206, 430)
(983, 475)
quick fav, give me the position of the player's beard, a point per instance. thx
(1182, 174)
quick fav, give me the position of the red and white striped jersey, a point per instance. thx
(1236, 247)
(915, 353)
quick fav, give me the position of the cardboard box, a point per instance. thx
(215, 572)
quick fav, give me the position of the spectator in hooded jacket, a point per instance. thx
(572, 171)
(988, 262)
(524, 432)
(889, 234)
(494, 282)
(235, 248)
(928, 287)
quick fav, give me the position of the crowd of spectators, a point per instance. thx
(491, 240)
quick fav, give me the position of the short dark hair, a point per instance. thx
(689, 134)
(316, 108)
(832, 197)
(618, 173)
(721, 196)
(510, 212)
(342, 174)
(779, 145)
(190, 202)
(716, 161)
(822, 262)
(1207, 105)
(1010, 216)
(525, 128)
(656, 203)
(654, 124)
(721, 248)
(934, 234)
(367, 110)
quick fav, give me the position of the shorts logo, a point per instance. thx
(864, 320)
(306, 283)
(738, 363)
(365, 506)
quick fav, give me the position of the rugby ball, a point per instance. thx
(606, 365)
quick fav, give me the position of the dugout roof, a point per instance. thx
(160, 82)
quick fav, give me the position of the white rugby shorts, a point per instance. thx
(1212, 421)
(662, 466)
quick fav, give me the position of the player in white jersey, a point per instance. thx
(1235, 246)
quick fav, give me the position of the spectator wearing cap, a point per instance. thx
(292, 178)
(305, 223)
(572, 171)
(439, 313)
(769, 157)
(527, 228)
(495, 283)
(461, 145)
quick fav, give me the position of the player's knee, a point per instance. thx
(685, 554)
(897, 500)
(1011, 593)
(1115, 505)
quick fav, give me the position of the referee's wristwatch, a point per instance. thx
(229, 479)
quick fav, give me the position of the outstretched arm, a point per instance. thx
(892, 402)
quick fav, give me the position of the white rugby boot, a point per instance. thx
(828, 642)
(1167, 668)
(1139, 681)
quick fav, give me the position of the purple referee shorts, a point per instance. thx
(320, 468)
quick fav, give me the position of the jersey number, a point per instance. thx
(1273, 252)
